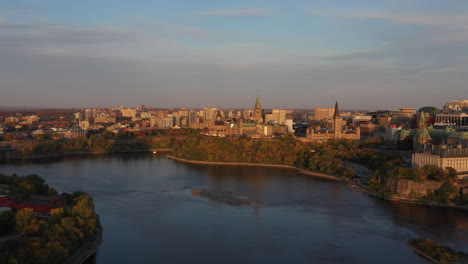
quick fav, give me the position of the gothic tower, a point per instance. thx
(240, 123)
(337, 122)
(258, 111)
(422, 120)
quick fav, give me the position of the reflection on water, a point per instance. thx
(149, 214)
(443, 223)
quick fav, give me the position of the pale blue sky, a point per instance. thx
(295, 54)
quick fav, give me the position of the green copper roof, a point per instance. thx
(448, 132)
(422, 119)
(422, 134)
(257, 102)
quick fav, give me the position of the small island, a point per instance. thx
(39, 226)
(436, 252)
(224, 197)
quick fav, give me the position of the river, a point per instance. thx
(150, 216)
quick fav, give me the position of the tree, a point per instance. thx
(37, 183)
(84, 213)
(108, 134)
(434, 173)
(447, 192)
(24, 218)
(98, 144)
(349, 173)
(451, 173)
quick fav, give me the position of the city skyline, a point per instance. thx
(304, 54)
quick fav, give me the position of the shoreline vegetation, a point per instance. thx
(436, 252)
(69, 154)
(44, 227)
(301, 171)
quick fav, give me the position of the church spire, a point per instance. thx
(337, 111)
(258, 113)
(257, 102)
(422, 120)
(337, 122)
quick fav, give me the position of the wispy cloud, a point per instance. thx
(455, 21)
(239, 12)
(19, 8)
(52, 33)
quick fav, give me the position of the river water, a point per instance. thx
(150, 216)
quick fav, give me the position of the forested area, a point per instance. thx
(44, 240)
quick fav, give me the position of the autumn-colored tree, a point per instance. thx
(24, 218)
(83, 212)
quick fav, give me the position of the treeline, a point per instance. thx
(93, 144)
(52, 240)
(24, 187)
(321, 157)
(104, 142)
(154, 132)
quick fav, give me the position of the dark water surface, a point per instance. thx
(150, 216)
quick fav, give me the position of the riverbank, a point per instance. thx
(302, 171)
(88, 250)
(70, 154)
(353, 186)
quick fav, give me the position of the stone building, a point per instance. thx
(254, 126)
(453, 154)
(459, 119)
(317, 133)
(443, 156)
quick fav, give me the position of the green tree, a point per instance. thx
(84, 213)
(447, 192)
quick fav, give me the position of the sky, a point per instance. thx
(366, 54)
